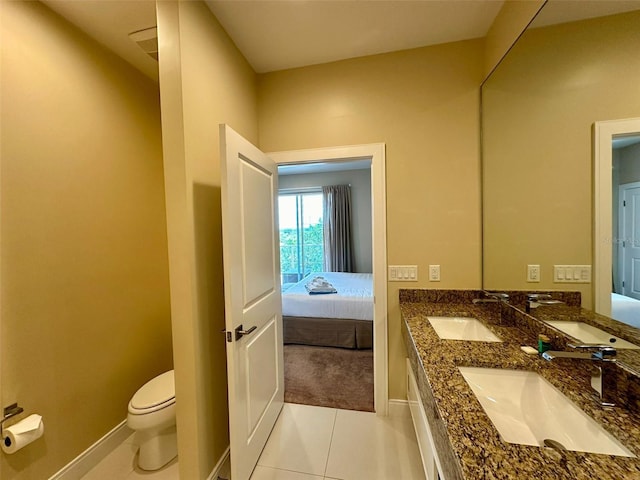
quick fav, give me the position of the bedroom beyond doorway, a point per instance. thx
(327, 285)
(369, 234)
(329, 377)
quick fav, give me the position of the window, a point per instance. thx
(301, 243)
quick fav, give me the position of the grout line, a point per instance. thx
(333, 429)
(293, 471)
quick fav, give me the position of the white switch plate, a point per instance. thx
(572, 273)
(533, 273)
(434, 273)
(403, 273)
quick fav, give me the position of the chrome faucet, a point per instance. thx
(535, 300)
(599, 353)
(493, 297)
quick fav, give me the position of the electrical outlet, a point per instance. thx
(434, 273)
(533, 273)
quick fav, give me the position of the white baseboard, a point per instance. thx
(222, 470)
(399, 408)
(88, 459)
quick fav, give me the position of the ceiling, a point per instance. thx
(280, 34)
(625, 141)
(110, 22)
(277, 35)
(574, 10)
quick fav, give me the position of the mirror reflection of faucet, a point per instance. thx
(492, 297)
(535, 300)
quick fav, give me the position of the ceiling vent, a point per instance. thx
(147, 39)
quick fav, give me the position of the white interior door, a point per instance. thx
(631, 242)
(253, 309)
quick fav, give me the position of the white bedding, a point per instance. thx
(625, 309)
(354, 299)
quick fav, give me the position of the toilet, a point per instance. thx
(152, 414)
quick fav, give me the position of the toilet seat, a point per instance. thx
(157, 394)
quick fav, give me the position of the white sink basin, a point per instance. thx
(589, 334)
(462, 328)
(526, 409)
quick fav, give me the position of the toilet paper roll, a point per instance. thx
(22, 433)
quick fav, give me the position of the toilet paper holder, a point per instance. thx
(9, 412)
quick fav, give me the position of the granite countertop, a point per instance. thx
(470, 441)
(630, 358)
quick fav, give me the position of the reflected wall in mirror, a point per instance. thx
(538, 111)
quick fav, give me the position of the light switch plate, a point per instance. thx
(403, 273)
(572, 273)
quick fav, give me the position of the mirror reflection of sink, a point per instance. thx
(589, 334)
(462, 328)
(526, 409)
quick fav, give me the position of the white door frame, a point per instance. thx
(375, 152)
(603, 135)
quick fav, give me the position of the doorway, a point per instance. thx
(607, 234)
(324, 219)
(625, 299)
(375, 154)
(626, 277)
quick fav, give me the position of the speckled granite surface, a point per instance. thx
(631, 358)
(468, 444)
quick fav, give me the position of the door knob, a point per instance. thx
(240, 332)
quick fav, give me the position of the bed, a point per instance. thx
(343, 319)
(625, 309)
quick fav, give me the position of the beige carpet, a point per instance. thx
(329, 377)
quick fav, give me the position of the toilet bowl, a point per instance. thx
(152, 414)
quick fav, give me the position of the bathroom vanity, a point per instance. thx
(459, 440)
(550, 187)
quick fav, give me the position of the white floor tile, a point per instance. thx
(366, 446)
(300, 439)
(117, 465)
(308, 443)
(121, 465)
(168, 472)
(268, 473)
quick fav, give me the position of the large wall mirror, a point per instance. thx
(577, 64)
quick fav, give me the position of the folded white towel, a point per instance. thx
(318, 285)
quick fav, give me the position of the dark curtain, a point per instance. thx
(338, 252)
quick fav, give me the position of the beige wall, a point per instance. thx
(512, 19)
(424, 105)
(85, 298)
(539, 108)
(204, 82)
(360, 181)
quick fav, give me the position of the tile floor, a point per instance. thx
(120, 465)
(309, 443)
